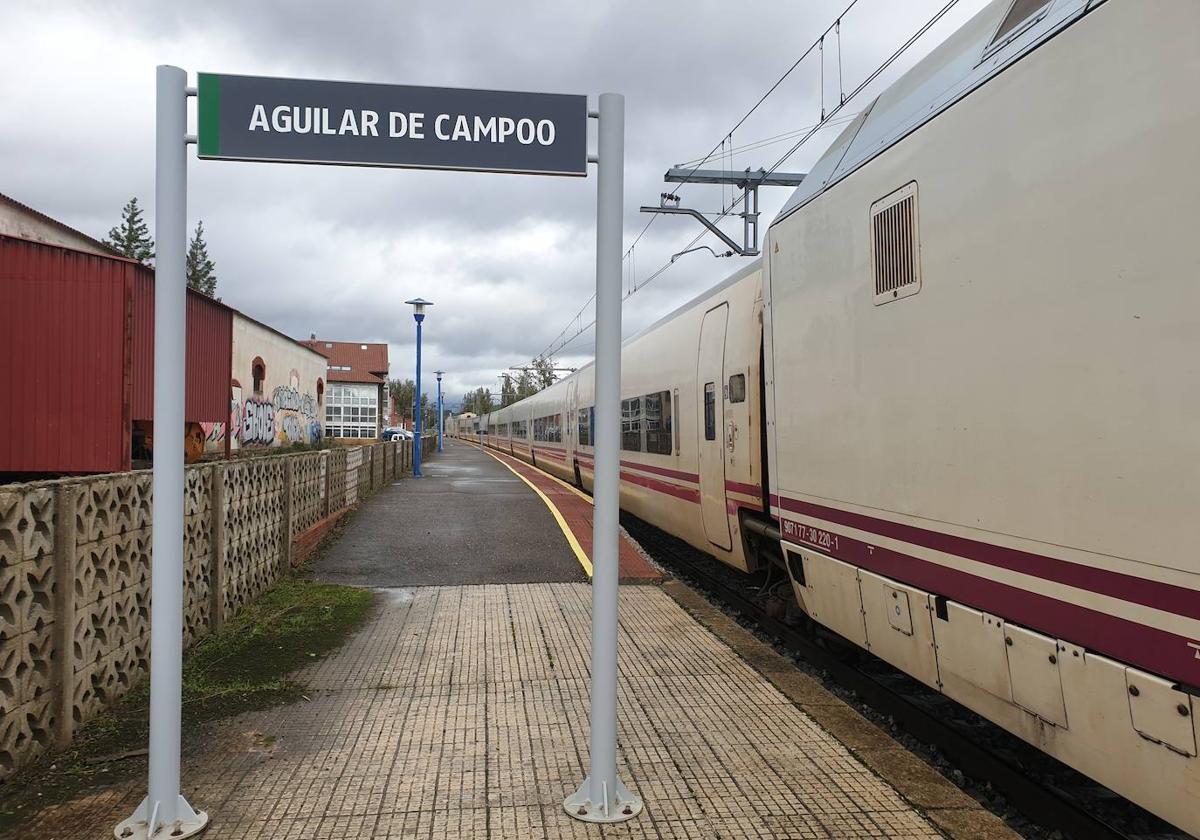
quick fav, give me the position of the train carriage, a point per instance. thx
(956, 399)
(691, 421)
(982, 384)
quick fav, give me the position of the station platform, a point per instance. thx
(461, 709)
(573, 513)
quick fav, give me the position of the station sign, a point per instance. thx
(277, 120)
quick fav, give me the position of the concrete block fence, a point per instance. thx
(75, 572)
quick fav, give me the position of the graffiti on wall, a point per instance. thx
(288, 417)
(258, 423)
(290, 399)
(297, 420)
(214, 434)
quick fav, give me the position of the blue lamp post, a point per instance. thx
(438, 374)
(418, 305)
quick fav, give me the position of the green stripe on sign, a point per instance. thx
(209, 113)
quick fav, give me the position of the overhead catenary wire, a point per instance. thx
(719, 146)
(806, 133)
(844, 99)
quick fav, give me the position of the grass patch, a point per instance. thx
(246, 665)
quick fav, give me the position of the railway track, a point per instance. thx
(1044, 798)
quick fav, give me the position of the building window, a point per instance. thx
(351, 411)
(258, 374)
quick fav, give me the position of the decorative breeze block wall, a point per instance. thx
(75, 561)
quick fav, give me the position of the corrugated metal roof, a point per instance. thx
(367, 362)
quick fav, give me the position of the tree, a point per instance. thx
(131, 238)
(543, 372)
(201, 273)
(526, 385)
(478, 402)
(401, 392)
(508, 391)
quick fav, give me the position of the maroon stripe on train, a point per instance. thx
(688, 494)
(554, 454)
(669, 473)
(749, 489)
(1138, 644)
(1148, 593)
(650, 468)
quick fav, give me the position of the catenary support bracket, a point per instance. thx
(748, 181)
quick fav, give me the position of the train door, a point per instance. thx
(710, 372)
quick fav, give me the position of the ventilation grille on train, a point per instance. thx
(895, 245)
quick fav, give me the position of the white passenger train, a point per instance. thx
(958, 397)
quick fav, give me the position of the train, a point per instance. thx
(956, 398)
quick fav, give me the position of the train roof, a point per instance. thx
(737, 276)
(982, 48)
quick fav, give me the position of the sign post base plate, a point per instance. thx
(621, 805)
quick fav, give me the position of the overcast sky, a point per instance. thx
(507, 259)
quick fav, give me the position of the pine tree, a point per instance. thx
(131, 238)
(201, 273)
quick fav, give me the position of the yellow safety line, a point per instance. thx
(570, 487)
(580, 554)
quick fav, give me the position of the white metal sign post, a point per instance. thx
(300, 121)
(602, 797)
(164, 807)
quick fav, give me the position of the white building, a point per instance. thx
(356, 397)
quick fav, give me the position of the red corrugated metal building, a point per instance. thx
(76, 358)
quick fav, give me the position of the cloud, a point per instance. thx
(506, 259)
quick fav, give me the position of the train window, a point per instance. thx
(737, 388)
(519, 429)
(710, 410)
(676, 425)
(1021, 12)
(503, 431)
(657, 417)
(631, 424)
(585, 427)
(548, 429)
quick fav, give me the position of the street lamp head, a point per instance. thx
(438, 374)
(418, 305)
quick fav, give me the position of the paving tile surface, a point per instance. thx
(461, 712)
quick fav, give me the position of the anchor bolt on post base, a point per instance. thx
(620, 806)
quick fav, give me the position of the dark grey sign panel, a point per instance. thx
(351, 123)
